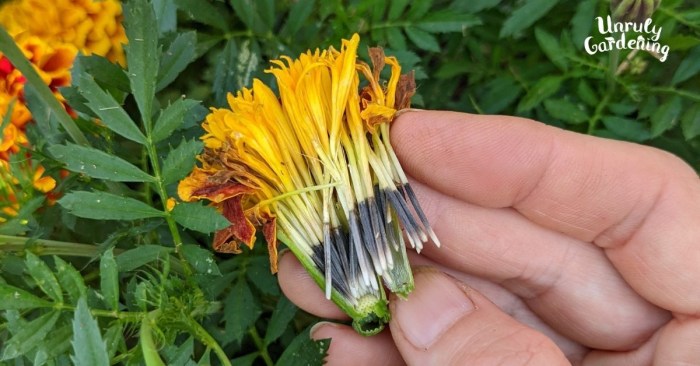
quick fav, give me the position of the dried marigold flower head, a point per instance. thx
(315, 168)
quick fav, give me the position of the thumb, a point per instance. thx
(443, 322)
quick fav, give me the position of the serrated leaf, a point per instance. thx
(46, 121)
(57, 344)
(582, 22)
(171, 118)
(525, 16)
(30, 335)
(447, 21)
(298, 14)
(13, 298)
(113, 337)
(98, 164)
(283, 314)
(566, 111)
(304, 350)
(180, 160)
(109, 280)
(110, 112)
(587, 94)
(246, 360)
(70, 279)
(206, 12)
(690, 122)
(499, 94)
(240, 312)
(259, 275)
(422, 39)
(106, 206)
(395, 38)
(542, 90)
(201, 260)
(102, 70)
(182, 354)
(666, 116)
(628, 129)
(141, 255)
(166, 13)
(250, 12)
(88, 347)
(688, 68)
(44, 278)
(235, 68)
(142, 53)
(396, 9)
(175, 59)
(550, 47)
(194, 216)
(418, 9)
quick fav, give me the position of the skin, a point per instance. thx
(557, 248)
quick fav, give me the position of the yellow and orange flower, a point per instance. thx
(314, 167)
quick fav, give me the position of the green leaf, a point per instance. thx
(281, 317)
(525, 16)
(587, 94)
(30, 335)
(179, 54)
(206, 12)
(688, 68)
(141, 255)
(104, 71)
(70, 279)
(251, 13)
(299, 13)
(109, 111)
(259, 275)
(235, 68)
(98, 164)
(194, 216)
(142, 53)
(418, 9)
(43, 277)
(499, 94)
(666, 116)
(113, 337)
(241, 310)
(566, 111)
(628, 129)
(304, 350)
(166, 12)
(45, 120)
(88, 347)
(57, 344)
(447, 21)
(201, 260)
(542, 90)
(690, 122)
(109, 280)
(106, 206)
(582, 22)
(396, 9)
(550, 47)
(180, 160)
(395, 38)
(171, 118)
(13, 298)
(422, 39)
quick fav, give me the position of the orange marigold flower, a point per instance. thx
(91, 26)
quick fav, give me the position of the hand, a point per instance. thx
(556, 247)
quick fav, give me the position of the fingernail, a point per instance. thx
(316, 332)
(436, 304)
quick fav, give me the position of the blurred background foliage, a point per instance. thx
(121, 287)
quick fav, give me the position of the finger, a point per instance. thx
(349, 348)
(301, 289)
(571, 285)
(444, 323)
(639, 203)
(510, 304)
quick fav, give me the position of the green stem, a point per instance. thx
(18, 244)
(593, 122)
(671, 90)
(203, 336)
(262, 349)
(133, 317)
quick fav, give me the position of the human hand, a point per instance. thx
(560, 248)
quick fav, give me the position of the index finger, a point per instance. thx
(640, 204)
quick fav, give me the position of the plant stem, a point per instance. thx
(128, 316)
(203, 336)
(671, 90)
(261, 346)
(19, 244)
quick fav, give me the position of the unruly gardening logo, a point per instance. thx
(618, 37)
